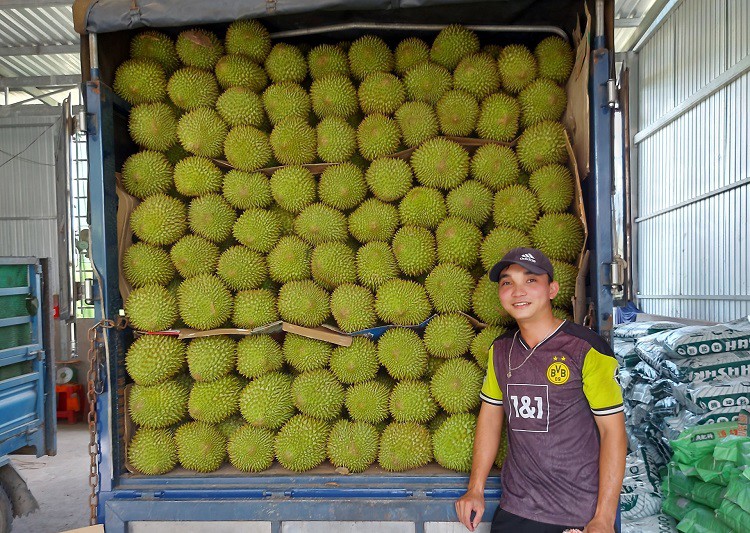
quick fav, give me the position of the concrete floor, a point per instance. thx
(59, 483)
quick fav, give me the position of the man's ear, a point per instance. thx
(554, 288)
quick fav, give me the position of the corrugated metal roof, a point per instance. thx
(629, 15)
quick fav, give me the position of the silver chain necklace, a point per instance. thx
(510, 368)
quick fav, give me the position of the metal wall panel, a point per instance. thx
(738, 36)
(656, 63)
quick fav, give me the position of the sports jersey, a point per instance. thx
(551, 473)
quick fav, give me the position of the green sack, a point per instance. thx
(678, 506)
(733, 516)
(701, 521)
(743, 454)
(697, 442)
(677, 482)
(707, 494)
(713, 471)
(738, 492)
(727, 449)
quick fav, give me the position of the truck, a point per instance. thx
(278, 500)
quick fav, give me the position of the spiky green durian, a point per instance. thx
(176, 153)
(241, 268)
(353, 307)
(565, 275)
(456, 385)
(553, 185)
(458, 242)
(152, 359)
(353, 445)
(267, 401)
(144, 264)
(214, 401)
(199, 48)
(239, 106)
(337, 140)
(159, 220)
(453, 442)
(258, 355)
(258, 229)
(449, 287)
(499, 242)
(373, 221)
(498, 118)
(250, 449)
(248, 37)
(334, 96)
(235, 70)
(286, 219)
(368, 401)
(200, 446)
(319, 223)
(477, 75)
(515, 207)
(190, 88)
(210, 216)
(304, 303)
(152, 451)
(153, 126)
(285, 62)
(452, 44)
(205, 303)
(377, 135)
(332, 264)
(193, 255)
(293, 188)
(294, 141)
(247, 148)
(318, 394)
(289, 260)
(325, 60)
(381, 92)
(404, 446)
(356, 363)
(486, 303)
(202, 131)
(158, 406)
(305, 354)
(440, 417)
(402, 302)
(388, 178)
(517, 67)
(495, 165)
(301, 443)
(555, 59)
(246, 190)
(562, 314)
(140, 81)
(481, 344)
(559, 236)
(155, 46)
(541, 100)
(230, 425)
(414, 248)
(342, 186)
(410, 401)
(196, 176)
(492, 50)
(542, 144)
(427, 82)
(457, 112)
(470, 201)
(422, 206)
(448, 335)
(417, 121)
(284, 100)
(211, 358)
(440, 163)
(369, 54)
(376, 264)
(146, 173)
(254, 308)
(410, 52)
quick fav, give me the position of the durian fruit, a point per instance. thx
(517, 67)
(205, 303)
(199, 48)
(239, 106)
(285, 218)
(402, 302)
(301, 443)
(356, 363)
(381, 92)
(410, 401)
(241, 268)
(140, 81)
(373, 221)
(258, 229)
(448, 335)
(486, 304)
(200, 446)
(267, 401)
(193, 255)
(353, 445)
(337, 140)
(202, 131)
(144, 264)
(495, 165)
(158, 406)
(245, 190)
(452, 44)
(456, 385)
(247, 148)
(230, 425)
(457, 112)
(334, 96)
(289, 260)
(542, 100)
(404, 446)
(332, 264)
(343, 186)
(499, 242)
(427, 82)
(190, 88)
(250, 449)
(565, 276)
(197, 176)
(318, 394)
(304, 303)
(210, 216)
(176, 153)
(542, 144)
(376, 264)
(414, 248)
(258, 355)
(248, 37)
(153, 359)
(377, 136)
(146, 173)
(440, 163)
(515, 207)
(555, 59)
(562, 314)
(402, 353)
(417, 122)
(453, 442)
(458, 242)
(553, 186)
(293, 188)
(326, 60)
(410, 52)
(284, 100)
(152, 451)
(481, 344)
(369, 54)
(423, 206)
(352, 306)
(477, 74)
(449, 287)
(304, 354)
(151, 308)
(211, 358)
(156, 46)
(153, 126)
(368, 401)
(439, 418)
(498, 118)
(294, 141)
(254, 308)
(492, 50)
(389, 179)
(559, 236)
(214, 401)
(470, 201)
(319, 223)
(285, 62)
(235, 70)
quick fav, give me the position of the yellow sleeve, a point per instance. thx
(491, 392)
(600, 384)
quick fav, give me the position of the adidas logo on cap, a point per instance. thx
(528, 257)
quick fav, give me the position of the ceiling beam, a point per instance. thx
(652, 20)
(40, 81)
(628, 22)
(39, 50)
(15, 4)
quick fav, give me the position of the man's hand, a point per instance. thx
(598, 525)
(472, 501)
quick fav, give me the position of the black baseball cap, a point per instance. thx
(531, 259)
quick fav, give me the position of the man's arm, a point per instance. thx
(612, 451)
(486, 443)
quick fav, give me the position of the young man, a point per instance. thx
(554, 383)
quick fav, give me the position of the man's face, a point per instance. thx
(524, 294)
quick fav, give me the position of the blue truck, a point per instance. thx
(277, 500)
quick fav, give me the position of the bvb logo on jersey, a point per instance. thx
(558, 372)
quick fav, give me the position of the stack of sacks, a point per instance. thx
(641, 494)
